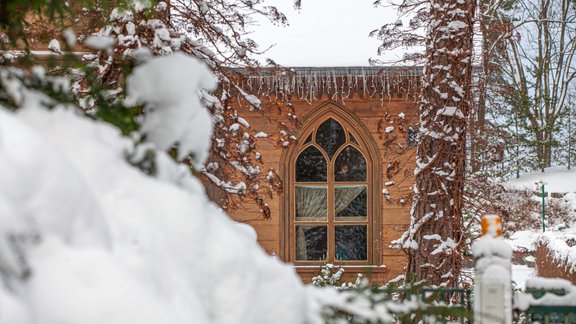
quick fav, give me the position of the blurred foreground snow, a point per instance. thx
(87, 238)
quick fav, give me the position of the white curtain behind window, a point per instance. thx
(344, 196)
(311, 201)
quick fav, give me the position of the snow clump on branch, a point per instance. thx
(169, 87)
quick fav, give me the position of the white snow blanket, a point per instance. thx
(556, 179)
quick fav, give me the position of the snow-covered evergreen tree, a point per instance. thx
(434, 239)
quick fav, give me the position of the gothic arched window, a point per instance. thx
(332, 205)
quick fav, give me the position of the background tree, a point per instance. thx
(566, 152)
(540, 69)
(526, 76)
(485, 136)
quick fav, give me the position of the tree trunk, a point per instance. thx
(540, 150)
(548, 151)
(477, 124)
(569, 156)
(544, 149)
(433, 241)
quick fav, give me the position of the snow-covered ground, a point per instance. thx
(521, 273)
(554, 238)
(523, 240)
(556, 179)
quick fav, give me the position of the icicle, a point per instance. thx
(266, 82)
(311, 88)
(299, 91)
(383, 87)
(306, 87)
(374, 86)
(302, 87)
(261, 85)
(328, 86)
(364, 83)
(321, 86)
(343, 80)
(349, 79)
(335, 86)
(388, 88)
(356, 83)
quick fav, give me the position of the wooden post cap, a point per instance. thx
(492, 225)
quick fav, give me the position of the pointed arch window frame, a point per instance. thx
(359, 137)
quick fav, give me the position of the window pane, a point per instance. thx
(412, 136)
(352, 139)
(330, 136)
(311, 203)
(311, 166)
(351, 241)
(350, 201)
(350, 165)
(311, 242)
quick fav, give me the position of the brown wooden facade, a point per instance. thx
(382, 121)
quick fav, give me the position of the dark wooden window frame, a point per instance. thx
(368, 148)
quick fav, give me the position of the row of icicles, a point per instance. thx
(327, 84)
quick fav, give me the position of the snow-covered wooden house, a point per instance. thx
(344, 153)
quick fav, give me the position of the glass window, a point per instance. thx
(350, 165)
(352, 139)
(311, 166)
(330, 214)
(350, 202)
(412, 136)
(311, 242)
(330, 136)
(351, 242)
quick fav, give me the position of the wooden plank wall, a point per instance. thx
(395, 215)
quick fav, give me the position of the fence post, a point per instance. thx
(492, 282)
